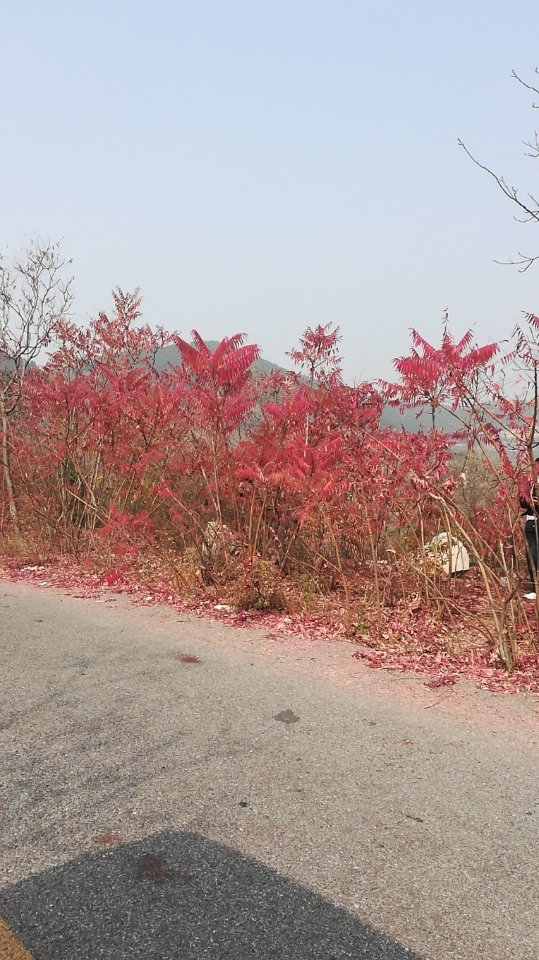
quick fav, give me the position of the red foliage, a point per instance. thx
(440, 375)
(219, 383)
(287, 483)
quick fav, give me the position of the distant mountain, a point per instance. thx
(417, 421)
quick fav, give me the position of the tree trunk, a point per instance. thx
(6, 467)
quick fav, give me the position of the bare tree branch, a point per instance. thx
(528, 86)
(529, 206)
(523, 263)
(510, 192)
(34, 297)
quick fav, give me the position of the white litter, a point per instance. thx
(448, 553)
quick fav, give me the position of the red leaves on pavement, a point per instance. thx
(108, 839)
(444, 670)
(440, 668)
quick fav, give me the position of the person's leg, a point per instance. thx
(531, 534)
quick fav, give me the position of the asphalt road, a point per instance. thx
(273, 800)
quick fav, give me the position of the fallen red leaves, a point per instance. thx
(446, 669)
(108, 839)
(439, 667)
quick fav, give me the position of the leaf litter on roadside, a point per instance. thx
(410, 641)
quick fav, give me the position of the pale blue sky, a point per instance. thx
(264, 166)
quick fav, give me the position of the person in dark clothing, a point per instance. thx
(529, 501)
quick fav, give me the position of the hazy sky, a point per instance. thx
(265, 166)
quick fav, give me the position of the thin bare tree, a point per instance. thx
(34, 296)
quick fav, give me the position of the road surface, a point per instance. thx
(173, 788)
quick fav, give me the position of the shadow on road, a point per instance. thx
(180, 895)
